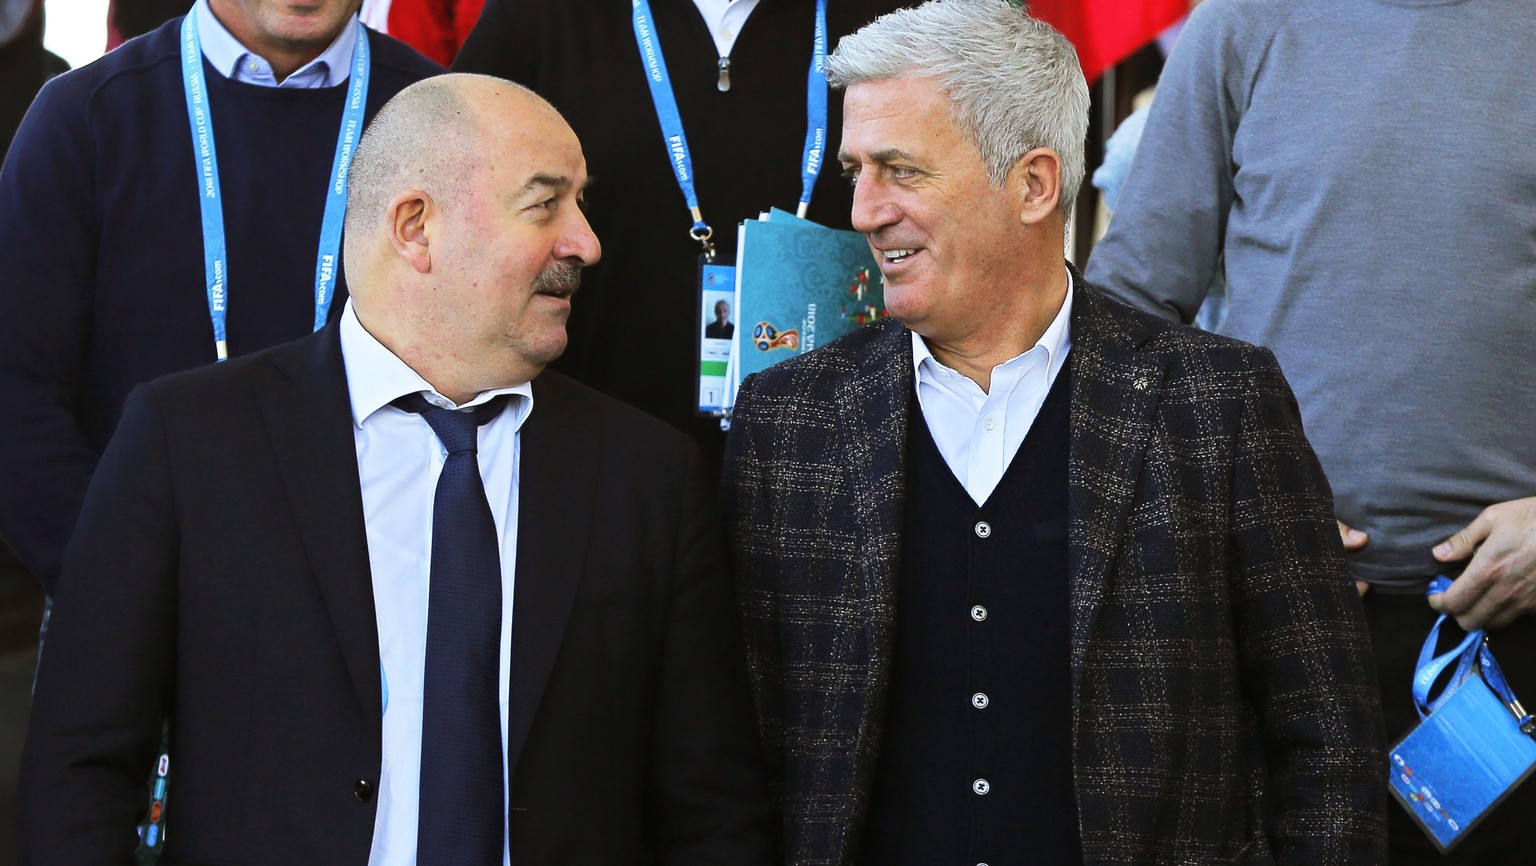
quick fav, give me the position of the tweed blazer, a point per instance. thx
(1224, 701)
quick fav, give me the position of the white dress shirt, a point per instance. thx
(398, 461)
(977, 431)
(233, 60)
(724, 18)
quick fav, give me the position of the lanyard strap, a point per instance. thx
(215, 257)
(671, 120)
(1473, 647)
(815, 111)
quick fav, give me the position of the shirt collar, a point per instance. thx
(233, 60)
(376, 377)
(1056, 340)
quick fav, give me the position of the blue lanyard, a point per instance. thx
(1474, 646)
(672, 121)
(815, 112)
(215, 261)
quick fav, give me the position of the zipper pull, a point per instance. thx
(725, 75)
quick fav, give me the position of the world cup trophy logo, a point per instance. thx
(767, 338)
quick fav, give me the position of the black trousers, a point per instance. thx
(1398, 625)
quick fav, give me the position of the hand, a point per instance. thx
(1353, 540)
(1499, 584)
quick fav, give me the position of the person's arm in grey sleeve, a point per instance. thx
(1163, 248)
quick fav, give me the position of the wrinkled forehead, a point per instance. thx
(895, 118)
(541, 153)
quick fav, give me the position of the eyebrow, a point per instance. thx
(889, 154)
(556, 182)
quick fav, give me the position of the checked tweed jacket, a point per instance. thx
(1224, 701)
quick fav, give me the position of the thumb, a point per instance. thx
(1464, 543)
(1353, 538)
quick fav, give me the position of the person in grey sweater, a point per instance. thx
(1363, 174)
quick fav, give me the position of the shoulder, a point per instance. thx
(152, 55)
(580, 410)
(829, 369)
(398, 63)
(1241, 16)
(1234, 36)
(1098, 319)
(212, 389)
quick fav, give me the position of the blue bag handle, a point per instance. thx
(1472, 649)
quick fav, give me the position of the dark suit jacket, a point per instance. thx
(1225, 708)
(220, 575)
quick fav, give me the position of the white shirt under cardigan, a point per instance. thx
(978, 432)
(233, 60)
(724, 19)
(398, 461)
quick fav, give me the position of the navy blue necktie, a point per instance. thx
(463, 821)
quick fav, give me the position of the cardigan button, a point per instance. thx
(981, 786)
(362, 789)
(978, 613)
(983, 529)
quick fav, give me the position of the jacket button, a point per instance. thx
(362, 789)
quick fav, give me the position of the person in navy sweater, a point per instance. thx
(106, 282)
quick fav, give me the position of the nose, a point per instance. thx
(579, 241)
(872, 207)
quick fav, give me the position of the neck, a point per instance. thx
(1006, 332)
(458, 378)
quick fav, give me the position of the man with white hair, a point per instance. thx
(1030, 577)
(408, 599)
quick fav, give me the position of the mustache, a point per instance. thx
(558, 277)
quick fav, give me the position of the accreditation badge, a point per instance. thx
(716, 333)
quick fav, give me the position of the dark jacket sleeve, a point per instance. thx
(1307, 663)
(49, 235)
(706, 766)
(745, 503)
(105, 682)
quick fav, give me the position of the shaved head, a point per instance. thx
(431, 136)
(465, 236)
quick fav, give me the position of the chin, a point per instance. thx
(548, 353)
(907, 310)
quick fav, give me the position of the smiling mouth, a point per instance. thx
(896, 257)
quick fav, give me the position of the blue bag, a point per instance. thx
(1474, 745)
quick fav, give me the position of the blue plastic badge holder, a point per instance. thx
(1474, 745)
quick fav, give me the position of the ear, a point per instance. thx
(1036, 183)
(411, 219)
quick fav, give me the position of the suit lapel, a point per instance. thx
(309, 421)
(1115, 390)
(557, 478)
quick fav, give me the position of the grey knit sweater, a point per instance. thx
(1367, 171)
